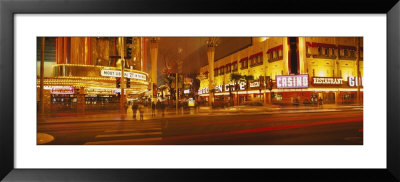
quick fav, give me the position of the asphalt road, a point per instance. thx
(336, 127)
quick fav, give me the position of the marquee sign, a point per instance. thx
(116, 73)
(327, 80)
(292, 81)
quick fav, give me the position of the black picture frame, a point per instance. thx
(9, 8)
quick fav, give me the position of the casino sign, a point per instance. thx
(292, 81)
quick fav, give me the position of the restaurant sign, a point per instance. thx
(327, 80)
(127, 74)
(292, 81)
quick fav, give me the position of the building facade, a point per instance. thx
(86, 71)
(289, 70)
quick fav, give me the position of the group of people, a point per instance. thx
(136, 107)
(139, 106)
(157, 106)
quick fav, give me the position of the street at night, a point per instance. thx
(280, 126)
(200, 90)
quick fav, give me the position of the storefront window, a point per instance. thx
(277, 97)
(348, 98)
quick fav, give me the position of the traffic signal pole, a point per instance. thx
(122, 98)
(41, 109)
(358, 72)
(176, 91)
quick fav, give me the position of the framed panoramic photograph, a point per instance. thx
(205, 91)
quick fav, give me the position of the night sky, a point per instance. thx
(194, 51)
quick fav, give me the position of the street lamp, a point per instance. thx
(122, 99)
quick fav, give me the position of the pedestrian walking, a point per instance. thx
(141, 110)
(162, 108)
(320, 102)
(126, 106)
(153, 109)
(134, 110)
(158, 107)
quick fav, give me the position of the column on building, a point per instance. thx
(63, 50)
(74, 50)
(303, 55)
(81, 99)
(60, 50)
(211, 44)
(88, 50)
(285, 53)
(143, 53)
(137, 55)
(154, 54)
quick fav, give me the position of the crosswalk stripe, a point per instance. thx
(132, 130)
(128, 134)
(129, 141)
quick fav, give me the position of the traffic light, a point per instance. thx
(261, 82)
(128, 53)
(128, 83)
(118, 82)
(270, 84)
(154, 90)
(129, 40)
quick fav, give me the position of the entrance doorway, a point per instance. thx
(329, 98)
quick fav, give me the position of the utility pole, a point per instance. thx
(151, 94)
(42, 77)
(358, 72)
(122, 99)
(176, 90)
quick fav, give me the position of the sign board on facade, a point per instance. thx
(292, 81)
(62, 90)
(191, 102)
(242, 86)
(327, 80)
(96, 91)
(203, 91)
(353, 82)
(255, 84)
(116, 73)
(219, 88)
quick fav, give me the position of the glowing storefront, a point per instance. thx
(86, 71)
(326, 68)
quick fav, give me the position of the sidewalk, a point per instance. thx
(182, 113)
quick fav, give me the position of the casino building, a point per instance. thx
(85, 72)
(288, 70)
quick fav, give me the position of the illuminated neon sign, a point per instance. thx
(292, 81)
(115, 73)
